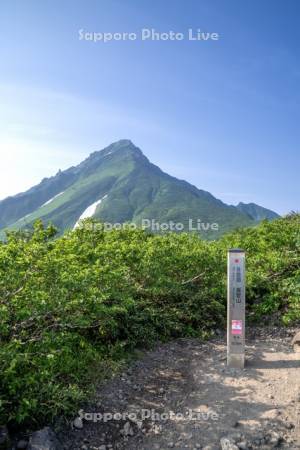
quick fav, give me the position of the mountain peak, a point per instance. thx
(123, 144)
(119, 184)
(119, 146)
(123, 147)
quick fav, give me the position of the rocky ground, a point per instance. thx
(206, 405)
(181, 395)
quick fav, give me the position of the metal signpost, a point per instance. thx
(236, 309)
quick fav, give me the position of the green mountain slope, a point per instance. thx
(119, 184)
(257, 212)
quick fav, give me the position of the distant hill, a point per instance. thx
(119, 184)
(257, 212)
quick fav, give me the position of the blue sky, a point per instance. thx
(224, 115)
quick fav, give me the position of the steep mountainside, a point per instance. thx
(119, 184)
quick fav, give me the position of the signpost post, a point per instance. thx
(236, 309)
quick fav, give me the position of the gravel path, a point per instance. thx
(205, 405)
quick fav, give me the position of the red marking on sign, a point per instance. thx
(236, 260)
(236, 327)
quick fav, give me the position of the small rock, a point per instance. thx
(138, 423)
(4, 438)
(127, 430)
(171, 444)
(264, 441)
(22, 444)
(102, 447)
(271, 414)
(236, 424)
(296, 342)
(78, 423)
(84, 447)
(289, 425)
(44, 439)
(274, 438)
(242, 445)
(236, 437)
(228, 444)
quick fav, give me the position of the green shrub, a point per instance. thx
(70, 305)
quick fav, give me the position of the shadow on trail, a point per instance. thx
(274, 364)
(183, 376)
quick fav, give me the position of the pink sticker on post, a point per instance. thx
(236, 327)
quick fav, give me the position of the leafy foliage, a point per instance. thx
(70, 305)
(273, 267)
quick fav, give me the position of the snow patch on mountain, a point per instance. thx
(89, 211)
(53, 198)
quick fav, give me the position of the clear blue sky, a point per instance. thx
(224, 115)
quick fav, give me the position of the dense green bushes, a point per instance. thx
(67, 305)
(273, 267)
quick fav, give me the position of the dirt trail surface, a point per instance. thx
(205, 404)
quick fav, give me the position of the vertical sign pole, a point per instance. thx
(236, 309)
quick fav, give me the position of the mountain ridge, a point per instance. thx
(135, 190)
